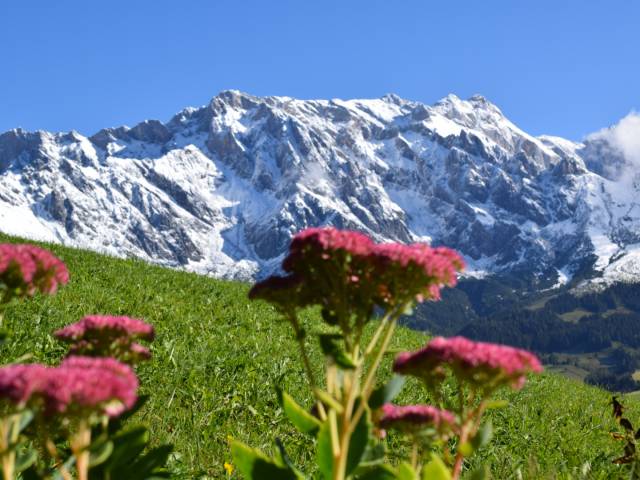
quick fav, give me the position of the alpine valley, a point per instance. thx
(549, 228)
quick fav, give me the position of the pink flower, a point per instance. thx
(415, 271)
(18, 383)
(106, 336)
(328, 267)
(347, 274)
(81, 384)
(27, 269)
(485, 365)
(104, 325)
(413, 418)
(324, 242)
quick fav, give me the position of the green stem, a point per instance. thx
(8, 453)
(468, 430)
(333, 424)
(369, 379)
(352, 387)
(51, 449)
(457, 466)
(305, 360)
(349, 421)
(414, 454)
(80, 443)
(374, 340)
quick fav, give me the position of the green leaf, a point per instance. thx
(466, 449)
(483, 436)
(480, 473)
(330, 345)
(301, 419)
(406, 472)
(435, 470)
(359, 440)
(68, 464)
(387, 392)
(151, 464)
(254, 465)
(374, 454)
(127, 446)
(99, 452)
(328, 400)
(25, 459)
(25, 419)
(285, 460)
(324, 452)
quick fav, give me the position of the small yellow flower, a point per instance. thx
(229, 468)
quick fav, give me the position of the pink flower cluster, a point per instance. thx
(324, 243)
(27, 269)
(103, 335)
(19, 382)
(416, 269)
(412, 418)
(98, 325)
(79, 385)
(93, 383)
(484, 365)
(328, 265)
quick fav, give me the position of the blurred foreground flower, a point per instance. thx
(415, 418)
(102, 336)
(100, 385)
(485, 366)
(27, 269)
(80, 386)
(348, 274)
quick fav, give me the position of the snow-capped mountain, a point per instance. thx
(221, 189)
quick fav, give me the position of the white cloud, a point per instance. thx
(624, 136)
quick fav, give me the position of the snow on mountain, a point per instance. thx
(220, 189)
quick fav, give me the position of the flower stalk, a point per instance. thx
(350, 277)
(80, 442)
(9, 430)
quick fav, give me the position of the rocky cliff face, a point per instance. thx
(222, 188)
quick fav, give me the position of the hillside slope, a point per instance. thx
(217, 357)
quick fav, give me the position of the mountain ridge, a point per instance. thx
(221, 188)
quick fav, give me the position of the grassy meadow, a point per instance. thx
(218, 356)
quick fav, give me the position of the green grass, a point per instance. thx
(217, 358)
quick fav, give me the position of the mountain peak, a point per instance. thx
(475, 102)
(220, 189)
(393, 98)
(479, 100)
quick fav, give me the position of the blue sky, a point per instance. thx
(558, 67)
